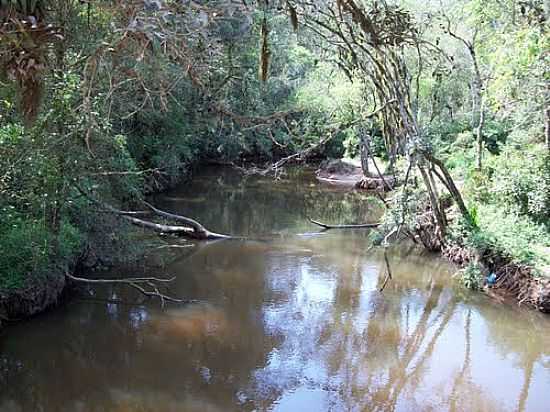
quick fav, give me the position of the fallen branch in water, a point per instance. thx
(304, 154)
(198, 232)
(359, 226)
(189, 228)
(140, 284)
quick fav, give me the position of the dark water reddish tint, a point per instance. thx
(291, 320)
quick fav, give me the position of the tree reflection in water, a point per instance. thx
(284, 323)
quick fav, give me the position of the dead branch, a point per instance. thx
(190, 228)
(358, 226)
(147, 286)
(306, 153)
(199, 231)
(295, 157)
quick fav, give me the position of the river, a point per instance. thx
(291, 319)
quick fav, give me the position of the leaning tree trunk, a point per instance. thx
(365, 154)
(434, 202)
(446, 179)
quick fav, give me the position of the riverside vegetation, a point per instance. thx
(105, 102)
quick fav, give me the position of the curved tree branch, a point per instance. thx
(190, 228)
(197, 230)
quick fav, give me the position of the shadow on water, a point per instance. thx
(286, 323)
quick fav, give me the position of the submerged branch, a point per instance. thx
(357, 226)
(147, 286)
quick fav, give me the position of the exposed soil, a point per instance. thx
(512, 279)
(43, 293)
(339, 172)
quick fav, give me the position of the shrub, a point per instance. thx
(29, 248)
(472, 276)
(521, 179)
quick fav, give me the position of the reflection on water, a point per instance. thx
(284, 323)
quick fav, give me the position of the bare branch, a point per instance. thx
(140, 284)
(357, 226)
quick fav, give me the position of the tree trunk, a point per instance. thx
(434, 202)
(479, 133)
(446, 178)
(365, 154)
(547, 126)
(478, 114)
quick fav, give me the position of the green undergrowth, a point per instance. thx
(29, 249)
(510, 203)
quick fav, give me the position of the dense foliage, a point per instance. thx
(119, 99)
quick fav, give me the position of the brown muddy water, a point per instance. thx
(291, 320)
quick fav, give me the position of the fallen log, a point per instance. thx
(381, 183)
(189, 232)
(358, 226)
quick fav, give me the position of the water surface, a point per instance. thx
(290, 320)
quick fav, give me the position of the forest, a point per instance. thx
(435, 114)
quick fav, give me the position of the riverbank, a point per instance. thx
(103, 241)
(487, 268)
(33, 298)
(108, 245)
(499, 275)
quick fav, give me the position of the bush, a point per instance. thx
(521, 180)
(506, 233)
(472, 276)
(515, 234)
(29, 248)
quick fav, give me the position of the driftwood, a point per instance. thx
(359, 226)
(190, 228)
